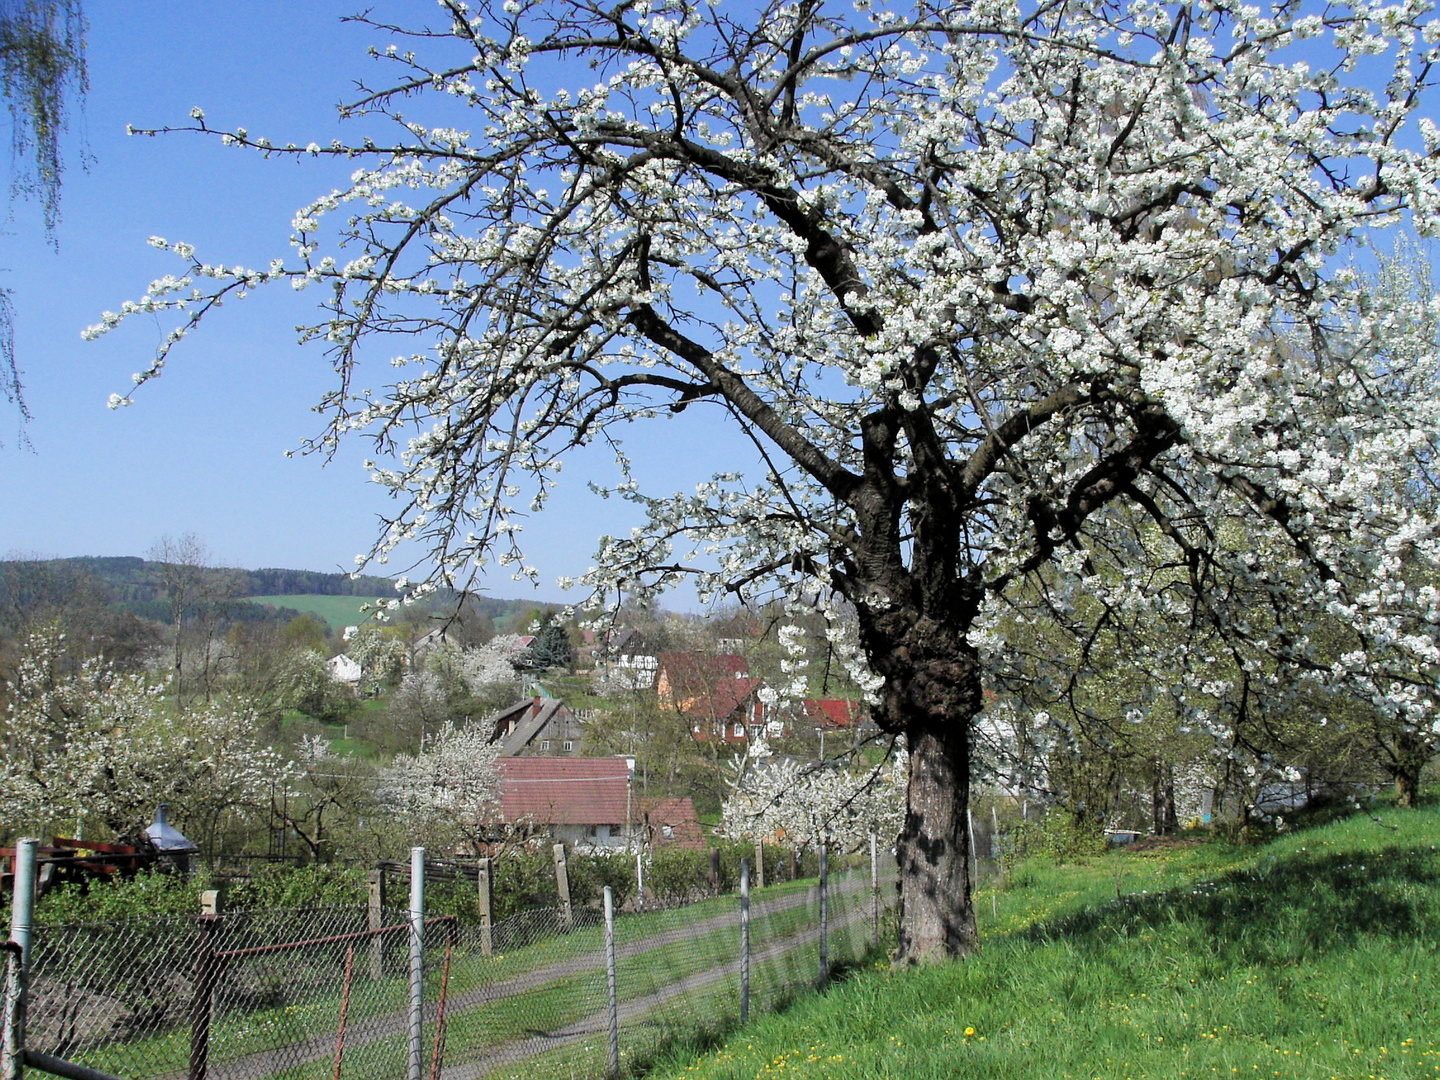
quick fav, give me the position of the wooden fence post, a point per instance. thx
(759, 864)
(874, 889)
(824, 913)
(562, 886)
(485, 883)
(202, 996)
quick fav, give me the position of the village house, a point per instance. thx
(715, 693)
(671, 821)
(538, 726)
(590, 804)
(623, 661)
(584, 802)
(344, 669)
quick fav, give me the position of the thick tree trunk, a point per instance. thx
(1409, 763)
(1407, 787)
(937, 920)
(913, 625)
(1164, 820)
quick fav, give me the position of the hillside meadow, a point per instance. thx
(1314, 956)
(338, 611)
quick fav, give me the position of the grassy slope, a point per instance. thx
(1315, 956)
(338, 611)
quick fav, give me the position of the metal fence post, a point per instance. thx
(374, 920)
(974, 855)
(562, 886)
(824, 912)
(874, 890)
(744, 941)
(17, 958)
(417, 963)
(484, 885)
(202, 997)
(611, 997)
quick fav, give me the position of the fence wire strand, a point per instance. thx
(121, 996)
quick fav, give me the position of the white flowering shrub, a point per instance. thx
(490, 665)
(381, 654)
(93, 751)
(809, 804)
(448, 791)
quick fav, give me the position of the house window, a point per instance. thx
(667, 831)
(739, 731)
(544, 744)
(568, 744)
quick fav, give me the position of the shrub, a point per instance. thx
(678, 874)
(524, 878)
(590, 874)
(287, 887)
(147, 894)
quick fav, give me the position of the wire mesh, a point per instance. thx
(677, 978)
(113, 995)
(121, 997)
(281, 983)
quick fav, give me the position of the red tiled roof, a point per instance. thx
(709, 687)
(832, 712)
(690, 674)
(564, 791)
(679, 814)
(722, 700)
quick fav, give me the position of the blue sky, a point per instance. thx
(202, 449)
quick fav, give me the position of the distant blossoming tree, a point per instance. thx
(813, 803)
(449, 791)
(982, 286)
(97, 750)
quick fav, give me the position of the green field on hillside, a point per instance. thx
(1316, 956)
(338, 611)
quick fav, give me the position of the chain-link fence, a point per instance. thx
(327, 992)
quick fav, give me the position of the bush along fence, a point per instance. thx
(371, 990)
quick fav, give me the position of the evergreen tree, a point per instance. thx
(552, 647)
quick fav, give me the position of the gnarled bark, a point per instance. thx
(937, 919)
(932, 695)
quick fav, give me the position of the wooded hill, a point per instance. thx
(132, 585)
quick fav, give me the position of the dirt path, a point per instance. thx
(597, 1023)
(360, 1033)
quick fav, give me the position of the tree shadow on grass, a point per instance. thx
(1279, 911)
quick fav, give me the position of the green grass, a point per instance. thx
(1315, 956)
(563, 996)
(338, 611)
